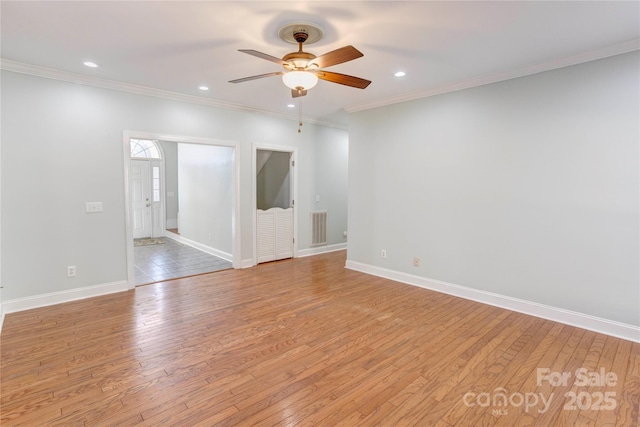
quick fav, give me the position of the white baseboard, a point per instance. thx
(247, 263)
(204, 248)
(43, 300)
(172, 223)
(568, 317)
(321, 250)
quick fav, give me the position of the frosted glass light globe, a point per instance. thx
(300, 79)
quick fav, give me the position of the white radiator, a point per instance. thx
(318, 228)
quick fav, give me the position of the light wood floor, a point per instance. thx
(303, 342)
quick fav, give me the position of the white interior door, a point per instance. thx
(140, 198)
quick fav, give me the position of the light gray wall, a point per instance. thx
(527, 188)
(331, 184)
(273, 183)
(170, 152)
(312, 171)
(1, 286)
(205, 176)
(62, 145)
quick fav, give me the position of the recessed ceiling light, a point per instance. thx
(291, 105)
(400, 74)
(90, 64)
(203, 87)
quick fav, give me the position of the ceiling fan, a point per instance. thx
(303, 69)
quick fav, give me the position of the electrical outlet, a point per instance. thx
(416, 262)
(71, 271)
(344, 233)
(383, 254)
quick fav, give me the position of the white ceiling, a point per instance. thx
(177, 46)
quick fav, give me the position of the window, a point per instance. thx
(155, 179)
(144, 148)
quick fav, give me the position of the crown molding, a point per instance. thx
(34, 70)
(50, 73)
(593, 55)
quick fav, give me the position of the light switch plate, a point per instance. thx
(93, 207)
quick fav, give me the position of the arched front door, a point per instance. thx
(146, 173)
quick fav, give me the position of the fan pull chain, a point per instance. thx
(299, 114)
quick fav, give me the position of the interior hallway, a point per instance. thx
(171, 260)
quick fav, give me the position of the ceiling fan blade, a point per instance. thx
(296, 93)
(343, 79)
(263, 56)
(337, 56)
(259, 76)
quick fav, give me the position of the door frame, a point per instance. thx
(254, 193)
(235, 227)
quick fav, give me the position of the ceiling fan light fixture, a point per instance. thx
(301, 80)
(303, 69)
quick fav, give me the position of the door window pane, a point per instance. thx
(156, 183)
(144, 148)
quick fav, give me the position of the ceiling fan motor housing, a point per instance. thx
(300, 60)
(301, 36)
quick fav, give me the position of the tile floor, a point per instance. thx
(154, 263)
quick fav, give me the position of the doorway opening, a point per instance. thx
(197, 248)
(274, 190)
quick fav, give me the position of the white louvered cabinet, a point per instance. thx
(274, 234)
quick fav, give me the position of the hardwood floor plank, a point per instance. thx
(619, 367)
(524, 379)
(629, 401)
(464, 365)
(488, 375)
(301, 342)
(570, 417)
(502, 375)
(569, 359)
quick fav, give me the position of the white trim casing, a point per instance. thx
(34, 70)
(618, 49)
(66, 76)
(247, 263)
(568, 317)
(235, 219)
(60, 297)
(321, 250)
